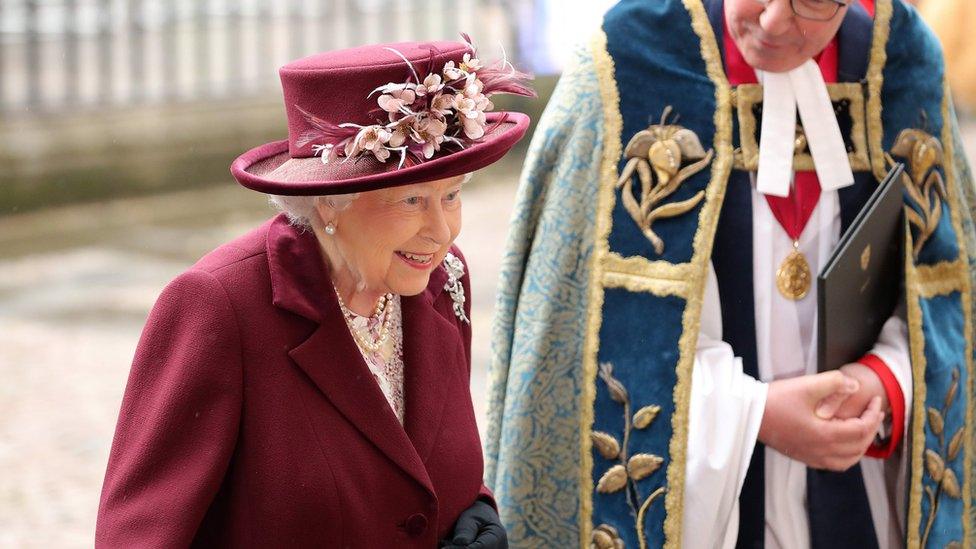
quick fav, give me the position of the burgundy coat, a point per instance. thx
(251, 420)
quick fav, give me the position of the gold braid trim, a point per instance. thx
(640, 266)
(704, 238)
(961, 275)
(943, 278)
(875, 77)
(916, 345)
(639, 283)
(612, 151)
(638, 274)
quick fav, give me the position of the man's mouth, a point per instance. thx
(771, 45)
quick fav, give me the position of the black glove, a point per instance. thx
(478, 527)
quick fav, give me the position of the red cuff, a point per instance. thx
(896, 399)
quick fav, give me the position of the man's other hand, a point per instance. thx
(855, 404)
(792, 426)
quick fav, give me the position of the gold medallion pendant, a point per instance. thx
(793, 276)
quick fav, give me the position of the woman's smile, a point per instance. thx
(417, 261)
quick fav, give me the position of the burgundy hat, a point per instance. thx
(386, 115)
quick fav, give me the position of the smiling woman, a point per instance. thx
(390, 239)
(384, 232)
(309, 381)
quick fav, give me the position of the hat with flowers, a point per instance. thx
(386, 115)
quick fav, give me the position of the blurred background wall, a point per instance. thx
(953, 22)
(119, 97)
(118, 121)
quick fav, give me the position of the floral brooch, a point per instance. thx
(455, 270)
(423, 114)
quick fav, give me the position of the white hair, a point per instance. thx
(301, 209)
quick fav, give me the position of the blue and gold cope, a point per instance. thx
(596, 326)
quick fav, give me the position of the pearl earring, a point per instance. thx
(330, 228)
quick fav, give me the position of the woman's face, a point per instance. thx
(772, 38)
(390, 240)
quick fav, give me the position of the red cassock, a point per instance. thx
(251, 420)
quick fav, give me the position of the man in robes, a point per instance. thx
(654, 378)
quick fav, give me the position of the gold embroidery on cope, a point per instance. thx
(916, 345)
(625, 475)
(606, 537)
(938, 462)
(924, 156)
(637, 274)
(942, 278)
(703, 239)
(656, 155)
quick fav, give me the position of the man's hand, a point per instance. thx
(791, 425)
(854, 405)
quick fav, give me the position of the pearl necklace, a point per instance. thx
(382, 306)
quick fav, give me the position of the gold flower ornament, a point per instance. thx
(659, 156)
(924, 155)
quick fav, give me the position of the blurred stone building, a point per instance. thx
(106, 98)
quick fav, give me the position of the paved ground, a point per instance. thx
(76, 285)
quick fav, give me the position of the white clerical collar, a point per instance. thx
(784, 92)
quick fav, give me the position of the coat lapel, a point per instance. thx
(333, 362)
(330, 357)
(432, 354)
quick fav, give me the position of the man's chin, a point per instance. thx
(766, 64)
(759, 58)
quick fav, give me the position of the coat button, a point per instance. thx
(416, 525)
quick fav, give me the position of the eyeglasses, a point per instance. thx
(818, 10)
(814, 10)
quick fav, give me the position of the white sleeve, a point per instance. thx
(726, 411)
(892, 349)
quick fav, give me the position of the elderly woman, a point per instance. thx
(307, 384)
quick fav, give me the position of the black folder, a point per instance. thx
(858, 289)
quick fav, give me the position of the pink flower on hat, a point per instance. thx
(432, 84)
(371, 139)
(442, 104)
(429, 130)
(452, 72)
(376, 121)
(474, 126)
(471, 105)
(396, 98)
(424, 112)
(470, 64)
(401, 131)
